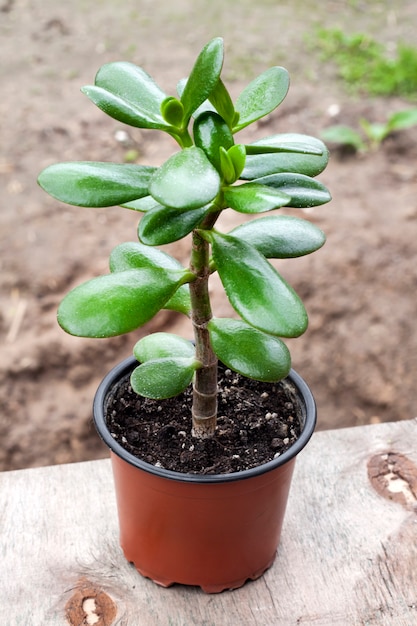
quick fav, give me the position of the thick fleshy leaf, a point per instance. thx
(300, 154)
(219, 102)
(262, 96)
(93, 184)
(161, 346)
(210, 134)
(133, 255)
(172, 111)
(304, 191)
(222, 102)
(123, 111)
(237, 154)
(118, 303)
(186, 181)
(127, 93)
(164, 225)
(227, 167)
(254, 198)
(203, 77)
(265, 146)
(180, 301)
(249, 351)
(142, 204)
(206, 106)
(255, 289)
(163, 378)
(281, 237)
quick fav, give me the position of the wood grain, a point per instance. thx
(348, 554)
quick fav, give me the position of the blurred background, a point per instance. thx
(353, 69)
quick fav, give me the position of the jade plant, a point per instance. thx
(184, 197)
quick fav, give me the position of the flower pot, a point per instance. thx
(214, 531)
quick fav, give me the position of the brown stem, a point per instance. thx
(204, 410)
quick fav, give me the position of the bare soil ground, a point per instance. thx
(360, 352)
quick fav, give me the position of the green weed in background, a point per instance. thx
(366, 66)
(372, 134)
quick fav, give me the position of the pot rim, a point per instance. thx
(125, 366)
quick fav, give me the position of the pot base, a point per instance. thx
(210, 587)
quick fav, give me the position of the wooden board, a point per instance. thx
(348, 554)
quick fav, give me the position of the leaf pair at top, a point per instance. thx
(127, 93)
(192, 178)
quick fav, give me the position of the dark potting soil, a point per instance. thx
(256, 423)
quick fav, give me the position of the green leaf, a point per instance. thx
(219, 102)
(249, 351)
(237, 155)
(222, 102)
(375, 132)
(281, 237)
(299, 154)
(304, 191)
(203, 77)
(402, 119)
(253, 149)
(164, 225)
(206, 106)
(262, 96)
(161, 346)
(93, 184)
(123, 111)
(180, 301)
(227, 168)
(210, 134)
(127, 93)
(134, 255)
(118, 303)
(186, 181)
(163, 378)
(255, 289)
(172, 111)
(254, 198)
(345, 135)
(142, 204)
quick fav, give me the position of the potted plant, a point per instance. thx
(181, 521)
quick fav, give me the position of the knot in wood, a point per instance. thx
(90, 606)
(394, 477)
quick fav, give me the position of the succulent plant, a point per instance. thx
(184, 197)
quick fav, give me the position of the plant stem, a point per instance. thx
(183, 138)
(204, 410)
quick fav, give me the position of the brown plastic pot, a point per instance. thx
(214, 531)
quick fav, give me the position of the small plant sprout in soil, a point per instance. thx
(210, 173)
(372, 134)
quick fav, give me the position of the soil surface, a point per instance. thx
(257, 422)
(360, 352)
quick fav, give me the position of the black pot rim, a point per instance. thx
(123, 368)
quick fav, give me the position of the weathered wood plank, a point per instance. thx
(348, 554)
